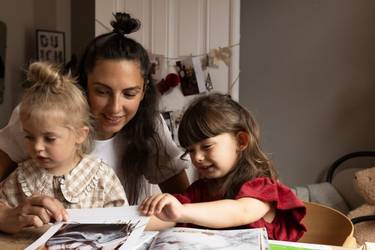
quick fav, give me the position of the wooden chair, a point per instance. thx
(328, 226)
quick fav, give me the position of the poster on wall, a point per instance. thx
(50, 46)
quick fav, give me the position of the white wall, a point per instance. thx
(178, 29)
(307, 73)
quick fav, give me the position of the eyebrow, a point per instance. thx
(106, 86)
(48, 133)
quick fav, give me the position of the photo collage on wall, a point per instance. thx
(173, 118)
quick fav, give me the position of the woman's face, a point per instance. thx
(115, 90)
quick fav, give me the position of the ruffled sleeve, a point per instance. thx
(289, 212)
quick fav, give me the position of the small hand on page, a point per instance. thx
(164, 206)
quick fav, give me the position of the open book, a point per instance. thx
(123, 228)
(95, 228)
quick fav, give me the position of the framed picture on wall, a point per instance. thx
(50, 46)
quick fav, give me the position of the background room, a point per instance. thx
(305, 68)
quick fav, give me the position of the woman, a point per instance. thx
(131, 135)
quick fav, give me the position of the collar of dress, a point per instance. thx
(74, 186)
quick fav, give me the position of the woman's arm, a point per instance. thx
(170, 163)
(6, 165)
(176, 184)
(12, 148)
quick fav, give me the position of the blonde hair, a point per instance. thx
(55, 94)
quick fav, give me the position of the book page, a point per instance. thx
(104, 228)
(192, 238)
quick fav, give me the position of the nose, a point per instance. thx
(198, 157)
(115, 104)
(38, 145)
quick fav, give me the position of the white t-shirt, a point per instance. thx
(110, 151)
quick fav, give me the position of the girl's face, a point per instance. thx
(115, 91)
(216, 156)
(52, 145)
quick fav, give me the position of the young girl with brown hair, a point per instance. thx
(238, 186)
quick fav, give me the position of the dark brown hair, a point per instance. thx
(140, 136)
(213, 114)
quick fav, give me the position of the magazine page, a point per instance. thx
(192, 238)
(95, 228)
(145, 240)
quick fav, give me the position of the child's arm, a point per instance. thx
(155, 224)
(215, 214)
(226, 213)
(36, 211)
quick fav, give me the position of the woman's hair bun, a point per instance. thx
(124, 24)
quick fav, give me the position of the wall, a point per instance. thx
(82, 26)
(177, 30)
(307, 73)
(22, 18)
(19, 20)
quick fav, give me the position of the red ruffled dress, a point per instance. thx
(289, 209)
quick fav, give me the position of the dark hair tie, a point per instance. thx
(124, 24)
(119, 31)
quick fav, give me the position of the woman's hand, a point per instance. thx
(164, 206)
(35, 211)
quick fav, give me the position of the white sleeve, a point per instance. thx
(11, 138)
(169, 166)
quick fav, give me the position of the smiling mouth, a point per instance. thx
(209, 168)
(113, 119)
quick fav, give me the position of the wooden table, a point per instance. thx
(22, 239)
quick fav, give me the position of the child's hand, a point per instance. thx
(165, 206)
(35, 211)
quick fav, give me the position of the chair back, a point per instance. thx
(327, 226)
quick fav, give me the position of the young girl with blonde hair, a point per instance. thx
(56, 121)
(238, 186)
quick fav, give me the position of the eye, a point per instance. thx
(189, 151)
(102, 91)
(207, 146)
(50, 139)
(129, 94)
(29, 137)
